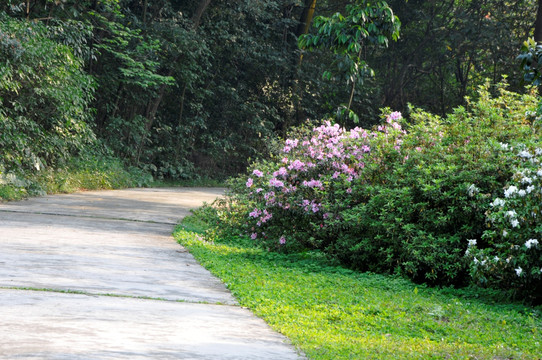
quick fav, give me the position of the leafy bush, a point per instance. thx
(44, 97)
(402, 197)
(91, 171)
(509, 253)
(12, 187)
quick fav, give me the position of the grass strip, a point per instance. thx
(329, 312)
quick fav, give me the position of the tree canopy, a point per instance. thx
(195, 87)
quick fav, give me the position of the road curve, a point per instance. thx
(97, 275)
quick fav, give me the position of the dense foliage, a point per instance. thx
(44, 98)
(365, 24)
(449, 48)
(184, 88)
(404, 197)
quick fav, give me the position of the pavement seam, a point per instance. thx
(87, 217)
(80, 292)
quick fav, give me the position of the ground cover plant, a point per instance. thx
(404, 197)
(330, 312)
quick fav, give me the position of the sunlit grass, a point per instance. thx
(90, 173)
(330, 312)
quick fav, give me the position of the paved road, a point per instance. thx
(97, 275)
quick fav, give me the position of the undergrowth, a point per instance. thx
(330, 312)
(83, 173)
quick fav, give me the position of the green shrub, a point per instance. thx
(508, 255)
(403, 197)
(44, 97)
(416, 214)
(11, 186)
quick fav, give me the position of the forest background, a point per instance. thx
(185, 89)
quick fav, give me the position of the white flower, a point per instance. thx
(519, 270)
(498, 202)
(510, 191)
(507, 260)
(522, 193)
(511, 213)
(475, 260)
(514, 223)
(503, 146)
(530, 189)
(504, 233)
(496, 259)
(526, 180)
(525, 154)
(539, 173)
(472, 242)
(530, 243)
(538, 151)
(472, 190)
(483, 262)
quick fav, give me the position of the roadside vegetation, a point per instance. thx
(415, 239)
(443, 201)
(331, 312)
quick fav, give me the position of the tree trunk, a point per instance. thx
(196, 18)
(180, 123)
(145, 5)
(306, 17)
(152, 109)
(303, 28)
(354, 82)
(538, 24)
(91, 42)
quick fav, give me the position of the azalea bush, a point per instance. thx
(402, 197)
(295, 202)
(509, 253)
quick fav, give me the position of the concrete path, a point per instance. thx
(97, 275)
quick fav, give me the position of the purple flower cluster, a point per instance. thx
(297, 187)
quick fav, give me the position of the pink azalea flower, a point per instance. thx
(255, 213)
(297, 165)
(275, 182)
(396, 115)
(280, 172)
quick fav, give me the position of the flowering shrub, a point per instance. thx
(509, 253)
(293, 202)
(401, 197)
